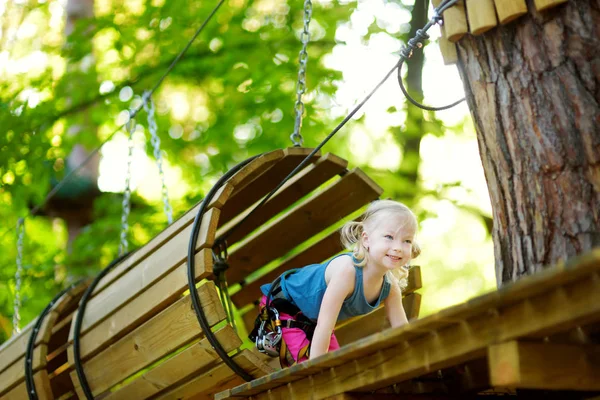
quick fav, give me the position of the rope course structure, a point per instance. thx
(145, 304)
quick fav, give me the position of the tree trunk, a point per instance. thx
(533, 89)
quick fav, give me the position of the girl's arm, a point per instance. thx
(393, 307)
(339, 287)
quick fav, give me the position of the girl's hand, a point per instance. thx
(340, 286)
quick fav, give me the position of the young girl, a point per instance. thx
(311, 300)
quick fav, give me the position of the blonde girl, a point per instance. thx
(314, 298)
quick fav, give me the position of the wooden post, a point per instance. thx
(448, 49)
(455, 21)
(509, 10)
(482, 16)
(542, 5)
(553, 366)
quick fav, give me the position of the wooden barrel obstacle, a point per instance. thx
(139, 335)
(476, 17)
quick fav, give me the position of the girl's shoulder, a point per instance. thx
(343, 267)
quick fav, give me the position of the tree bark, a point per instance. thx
(533, 90)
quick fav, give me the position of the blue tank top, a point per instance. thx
(305, 287)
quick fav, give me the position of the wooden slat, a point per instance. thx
(259, 183)
(310, 217)
(534, 365)
(166, 332)
(147, 272)
(15, 374)
(15, 349)
(374, 322)
(60, 381)
(325, 248)
(144, 306)
(571, 297)
(542, 5)
(157, 242)
(217, 379)
(509, 10)
(187, 363)
(42, 387)
(308, 179)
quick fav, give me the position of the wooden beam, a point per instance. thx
(534, 365)
(146, 273)
(552, 301)
(42, 385)
(304, 182)
(256, 185)
(192, 361)
(221, 377)
(166, 332)
(313, 215)
(143, 307)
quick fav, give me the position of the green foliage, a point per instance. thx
(230, 97)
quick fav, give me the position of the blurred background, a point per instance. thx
(71, 69)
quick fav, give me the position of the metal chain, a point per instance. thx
(296, 137)
(155, 140)
(17, 302)
(124, 244)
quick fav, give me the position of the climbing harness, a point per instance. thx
(155, 140)
(296, 136)
(18, 276)
(267, 334)
(220, 265)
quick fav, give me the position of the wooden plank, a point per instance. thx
(15, 374)
(308, 179)
(172, 328)
(144, 306)
(382, 359)
(550, 366)
(322, 250)
(218, 379)
(185, 364)
(42, 387)
(147, 272)
(376, 321)
(261, 182)
(60, 381)
(310, 217)
(14, 349)
(157, 242)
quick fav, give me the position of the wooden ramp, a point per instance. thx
(140, 337)
(541, 333)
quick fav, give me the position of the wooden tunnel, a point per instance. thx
(476, 17)
(140, 337)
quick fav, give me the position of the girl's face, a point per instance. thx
(389, 242)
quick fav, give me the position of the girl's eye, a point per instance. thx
(408, 241)
(389, 237)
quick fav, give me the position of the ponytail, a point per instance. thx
(351, 235)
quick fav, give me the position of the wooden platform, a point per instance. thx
(541, 333)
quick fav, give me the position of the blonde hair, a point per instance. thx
(351, 234)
